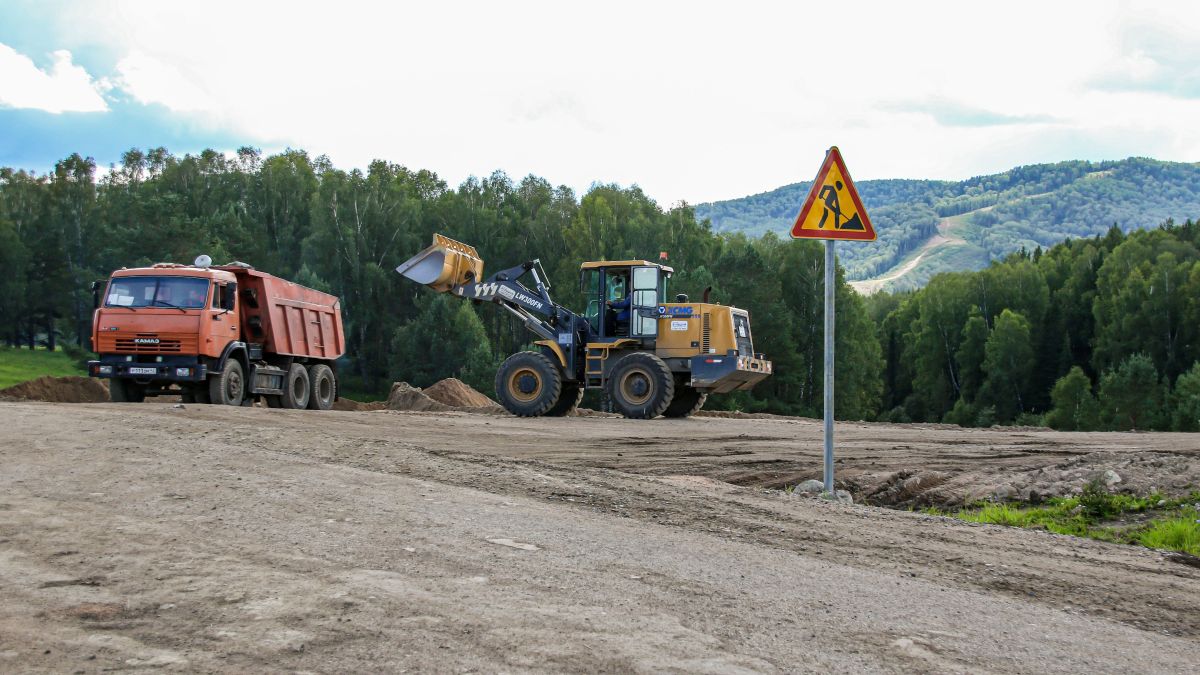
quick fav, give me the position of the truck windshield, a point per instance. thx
(181, 292)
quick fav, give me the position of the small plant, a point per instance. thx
(1097, 503)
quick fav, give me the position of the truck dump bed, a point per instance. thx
(288, 318)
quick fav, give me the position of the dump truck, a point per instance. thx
(225, 334)
(647, 356)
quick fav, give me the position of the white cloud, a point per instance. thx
(150, 80)
(66, 87)
(692, 100)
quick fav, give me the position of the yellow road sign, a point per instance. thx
(833, 209)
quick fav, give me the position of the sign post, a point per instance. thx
(830, 261)
(832, 211)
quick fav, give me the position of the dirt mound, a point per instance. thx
(351, 404)
(59, 390)
(404, 396)
(454, 392)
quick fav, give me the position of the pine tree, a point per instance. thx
(1075, 407)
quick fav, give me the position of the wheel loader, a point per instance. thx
(647, 356)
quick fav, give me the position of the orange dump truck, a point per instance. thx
(226, 334)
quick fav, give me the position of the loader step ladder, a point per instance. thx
(594, 368)
(597, 354)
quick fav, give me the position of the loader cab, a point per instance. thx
(623, 297)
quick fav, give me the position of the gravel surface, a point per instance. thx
(201, 538)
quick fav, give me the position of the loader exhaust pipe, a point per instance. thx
(444, 265)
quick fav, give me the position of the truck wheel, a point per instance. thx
(323, 387)
(687, 401)
(295, 388)
(124, 391)
(229, 386)
(641, 386)
(568, 400)
(528, 384)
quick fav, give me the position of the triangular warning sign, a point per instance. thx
(833, 209)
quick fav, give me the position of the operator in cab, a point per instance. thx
(618, 302)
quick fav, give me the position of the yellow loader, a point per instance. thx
(648, 356)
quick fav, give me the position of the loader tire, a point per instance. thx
(641, 386)
(528, 384)
(229, 386)
(125, 391)
(687, 401)
(322, 387)
(295, 388)
(568, 400)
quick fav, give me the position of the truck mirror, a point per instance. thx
(97, 287)
(228, 293)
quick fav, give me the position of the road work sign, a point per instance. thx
(833, 209)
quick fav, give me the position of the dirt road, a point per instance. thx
(234, 540)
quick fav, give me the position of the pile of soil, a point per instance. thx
(454, 392)
(351, 404)
(404, 396)
(60, 390)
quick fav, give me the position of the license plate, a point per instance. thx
(143, 371)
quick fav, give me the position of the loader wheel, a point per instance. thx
(568, 400)
(322, 387)
(687, 401)
(641, 386)
(528, 384)
(229, 386)
(124, 391)
(295, 388)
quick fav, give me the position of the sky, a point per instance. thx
(693, 101)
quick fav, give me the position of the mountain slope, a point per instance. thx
(928, 226)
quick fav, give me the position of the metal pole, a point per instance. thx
(829, 288)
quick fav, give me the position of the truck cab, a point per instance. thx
(160, 329)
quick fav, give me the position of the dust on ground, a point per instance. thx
(224, 539)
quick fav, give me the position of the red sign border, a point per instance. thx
(868, 234)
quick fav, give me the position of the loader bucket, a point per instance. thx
(444, 265)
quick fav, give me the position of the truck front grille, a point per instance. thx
(147, 343)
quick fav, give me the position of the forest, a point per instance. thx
(1096, 332)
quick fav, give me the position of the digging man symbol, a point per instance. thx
(829, 195)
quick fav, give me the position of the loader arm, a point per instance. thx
(449, 266)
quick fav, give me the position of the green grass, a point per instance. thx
(1177, 534)
(22, 365)
(1150, 521)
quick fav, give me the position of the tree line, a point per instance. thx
(1093, 333)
